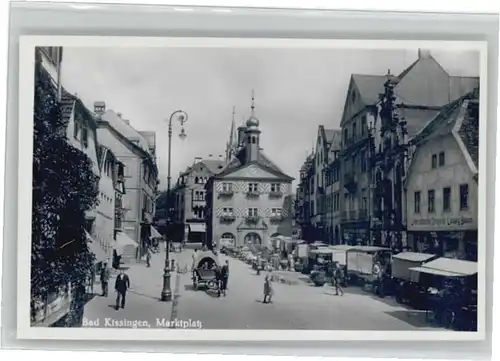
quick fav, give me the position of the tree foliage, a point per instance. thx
(64, 188)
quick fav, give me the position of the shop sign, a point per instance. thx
(450, 221)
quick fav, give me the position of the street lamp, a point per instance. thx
(181, 116)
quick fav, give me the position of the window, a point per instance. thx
(85, 136)
(353, 96)
(363, 161)
(346, 136)
(253, 187)
(434, 161)
(275, 187)
(441, 159)
(363, 124)
(312, 208)
(446, 198)
(228, 211)
(364, 205)
(431, 195)
(227, 187)
(276, 212)
(253, 212)
(196, 180)
(464, 196)
(76, 129)
(416, 202)
(354, 130)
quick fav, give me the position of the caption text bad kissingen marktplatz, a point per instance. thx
(128, 323)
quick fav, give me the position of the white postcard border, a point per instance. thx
(26, 100)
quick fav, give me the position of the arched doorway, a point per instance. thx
(253, 239)
(337, 235)
(227, 239)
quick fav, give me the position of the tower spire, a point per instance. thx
(253, 102)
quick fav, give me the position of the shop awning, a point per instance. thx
(414, 256)
(197, 228)
(123, 240)
(95, 248)
(155, 233)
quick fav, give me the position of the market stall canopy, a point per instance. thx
(341, 247)
(369, 249)
(320, 251)
(155, 233)
(448, 267)
(94, 247)
(414, 256)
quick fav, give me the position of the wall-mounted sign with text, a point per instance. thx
(442, 223)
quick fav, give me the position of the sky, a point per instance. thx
(296, 90)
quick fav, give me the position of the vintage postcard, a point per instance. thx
(251, 189)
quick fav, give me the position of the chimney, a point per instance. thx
(99, 107)
(423, 53)
(126, 121)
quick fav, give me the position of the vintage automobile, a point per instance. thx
(451, 296)
(406, 290)
(205, 265)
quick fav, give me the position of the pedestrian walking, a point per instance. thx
(122, 284)
(225, 277)
(148, 257)
(104, 278)
(337, 279)
(218, 280)
(268, 290)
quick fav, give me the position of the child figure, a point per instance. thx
(268, 290)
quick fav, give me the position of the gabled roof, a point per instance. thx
(131, 145)
(125, 129)
(460, 119)
(369, 87)
(329, 134)
(213, 166)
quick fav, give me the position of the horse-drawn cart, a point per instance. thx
(204, 271)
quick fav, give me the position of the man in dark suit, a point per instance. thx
(122, 284)
(225, 277)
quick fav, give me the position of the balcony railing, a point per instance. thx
(276, 217)
(226, 192)
(276, 194)
(227, 217)
(252, 219)
(253, 193)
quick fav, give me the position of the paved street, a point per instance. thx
(300, 306)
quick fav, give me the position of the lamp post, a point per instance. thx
(166, 293)
(371, 162)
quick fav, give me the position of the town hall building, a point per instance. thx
(248, 201)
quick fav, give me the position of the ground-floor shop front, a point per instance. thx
(451, 244)
(355, 233)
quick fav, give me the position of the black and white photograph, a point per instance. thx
(254, 188)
